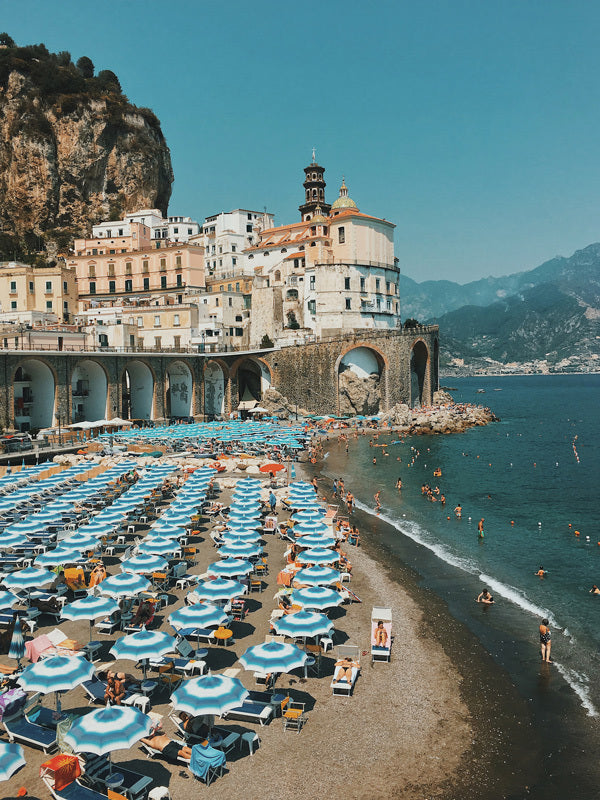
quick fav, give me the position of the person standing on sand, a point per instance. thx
(335, 487)
(545, 641)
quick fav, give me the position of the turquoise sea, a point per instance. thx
(532, 477)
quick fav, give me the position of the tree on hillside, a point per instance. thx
(108, 80)
(7, 40)
(85, 65)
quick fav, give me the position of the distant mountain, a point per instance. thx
(550, 315)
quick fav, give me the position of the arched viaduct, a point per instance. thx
(43, 388)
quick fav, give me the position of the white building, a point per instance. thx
(226, 236)
(172, 229)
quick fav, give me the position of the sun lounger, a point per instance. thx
(134, 785)
(75, 791)
(95, 689)
(151, 752)
(251, 712)
(19, 729)
(342, 687)
(188, 664)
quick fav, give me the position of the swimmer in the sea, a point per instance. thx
(485, 597)
(458, 511)
(594, 590)
(541, 573)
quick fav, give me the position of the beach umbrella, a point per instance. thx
(90, 607)
(198, 615)
(11, 759)
(167, 531)
(17, 643)
(144, 563)
(28, 578)
(219, 589)
(271, 467)
(142, 645)
(240, 550)
(237, 537)
(270, 657)
(8, 599)
(127, 584)
(309, 514)
(80, 541)
(316, 540)
(317, 576)
(303, 624)
(243, 525)
(158, 546)
(318, 555)
(56, 674)
(230, 567)
(243, 517)
(10, 540)
(209, 694)
(107, 729)
(58, 557)
(319, 597)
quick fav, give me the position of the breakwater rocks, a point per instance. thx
(444, 418)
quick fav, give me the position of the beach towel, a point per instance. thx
(35, 647)
(205, 757)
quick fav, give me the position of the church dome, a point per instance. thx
(319, 218)
(343, 200)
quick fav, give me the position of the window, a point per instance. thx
(157, 321)
(120, 232)
(239, 331)
(348, 304)
(347, 283)
(377, 284)
(157, 342)
(48, 305)
(128, 286)
(109, 233)
(175, 230)
(48, 286)
(387, 287)
(65, 288)
(112, 252)
(92, 287)
(13, 286)
(31, 287)
(144, 266)
(230, 303)
(233, 261)
(238, 317)
(163, 281)
(248, 228)
(112, 287)
(179, 279)
(230, 287)
(341, 235)
(363, 284)
(128, 268)
(176, 322)
(146, 284)
(65, 305)
(94, 251)
(190, 231)
(311, 283)
(237, 287)
(216, 301)
(163, 264)
(140, 322)
(220, 249)
(177, 261)
(312, 306)
(180, 299)
(233, 248)
(111, 270)
(177, 342)
(13, 305)
(249, 216)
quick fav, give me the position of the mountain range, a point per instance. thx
(544, 319)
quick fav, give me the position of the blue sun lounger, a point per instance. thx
(19, 729)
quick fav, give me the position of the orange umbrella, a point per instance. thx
(271, 467)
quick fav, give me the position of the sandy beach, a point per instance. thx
(406, 732)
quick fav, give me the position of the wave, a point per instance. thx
(580, 684)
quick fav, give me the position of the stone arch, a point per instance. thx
(89, 391)
(419, 374)
(34, 392)
(179, 390)
(214, 389)
(359, 372)
(253, 377)
(137, 382)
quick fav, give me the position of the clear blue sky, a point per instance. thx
(473, 125)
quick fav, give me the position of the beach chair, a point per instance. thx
(381, 634)
(344, 688)
(260, 713)
(19, 729)
(134, 786)
(110, 624)
(270, 525)
(188, 664)
(294, 717)
(207, 763)
(76, 791)
(95, 689)
(75, 580)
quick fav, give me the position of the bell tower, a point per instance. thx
(314, 191)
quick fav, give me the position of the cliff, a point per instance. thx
(73, 150)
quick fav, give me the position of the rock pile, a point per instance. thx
(451, 418)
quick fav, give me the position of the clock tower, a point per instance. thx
(314, 191)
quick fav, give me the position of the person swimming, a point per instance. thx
(594, 590)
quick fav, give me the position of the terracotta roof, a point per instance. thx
(295, 255)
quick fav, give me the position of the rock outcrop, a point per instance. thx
(436, 419)
(73, 150)
(275, 403)
(359, 395)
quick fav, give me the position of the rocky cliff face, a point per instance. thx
(69, 159)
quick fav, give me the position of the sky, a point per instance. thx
(473, 126)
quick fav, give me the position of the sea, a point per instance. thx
(532, 477)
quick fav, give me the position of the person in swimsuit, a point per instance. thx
(594, 590)
(485, 597)
(380, 635)
(541, 573)
(458, 511)
(480, 528)
(377, 498)
(115, 688)
(170, 750)
(545, 641)
(345, 672)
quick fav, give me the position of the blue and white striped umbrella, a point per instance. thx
(17, 643)
(241, 536)
(144, 563)
(318, 555)
(127, 584)
(10, 540)
(309, 515)
(240, 550)
(250, 525)
(7, 599)
(80, 541)
(219, 589)
(143, 644)
(11, 759)
(303, 624)
(56, 674)
(209, 694)
(273, 657)
(158, 546)
(28, 578)
(198, 615)
(317, 576)
(90, 607)
(58, 557)
(242, 516)
(230, 567)
(248, 507)
(316, 597)
(316, 540)
(108, 729)
(306, 528)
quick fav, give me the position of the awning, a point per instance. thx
(247, 405)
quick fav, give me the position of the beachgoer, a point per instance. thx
(399, 484)
(374, 461)
(480, 528)
(541, 573)
(170, 749)
(346, 665)
(458, 511)
(335, 487)
(194, 725)
(545, 641)
(485, 597)
(97, 575)
(272, 502)
(115, 688)
(349, 501)
(315, 484)
(594, 590)
(443, 499)
(380, 635)
(377, 498)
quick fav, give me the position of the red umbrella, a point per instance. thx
(271, 467)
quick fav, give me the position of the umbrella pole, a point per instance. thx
(58, 706)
